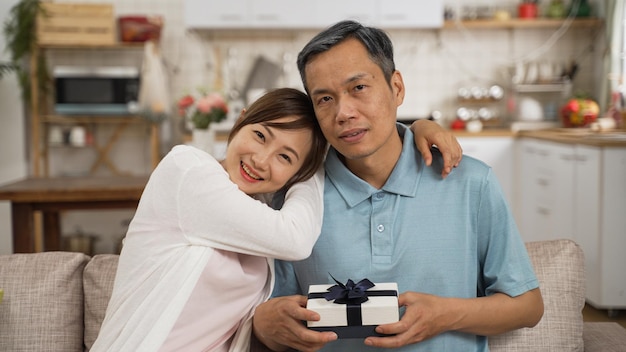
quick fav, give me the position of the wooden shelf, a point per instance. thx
(542, 87)
(41, 121)
(517, 23)
(99, 119)
(116, 46)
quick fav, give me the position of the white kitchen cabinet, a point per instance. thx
(290, 14)
(578, 192)
(410, 14)
(328, 12)
(601, 225)
(546, 199)
(281, 14)
(216, 14)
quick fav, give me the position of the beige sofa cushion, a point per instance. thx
(98, 282)
(604, 336)
(559, 266)
(43, 302)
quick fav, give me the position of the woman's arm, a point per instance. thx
(215, 213)
(428, 133)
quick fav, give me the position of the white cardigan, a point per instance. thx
(189, 209)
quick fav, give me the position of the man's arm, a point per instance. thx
(428, 133)
(427, 316)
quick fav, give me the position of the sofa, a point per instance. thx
(55, 301)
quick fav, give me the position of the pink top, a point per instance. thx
(243, 278)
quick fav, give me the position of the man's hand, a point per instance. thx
(427, 133)
(278, 324)
(425, 316)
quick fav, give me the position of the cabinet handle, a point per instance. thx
(231, 17)
(543, 211)
(543, 152)
(581, 158)
(567, 157)
(543, 182)
(267, 17)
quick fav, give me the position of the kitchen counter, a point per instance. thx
(614, 138)
(495, 132)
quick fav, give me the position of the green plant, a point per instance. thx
(21, 36)
(6, 67)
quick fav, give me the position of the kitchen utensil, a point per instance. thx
(528, 10)
(532, 73)
(496, 92)
(264, 75)
(80, 242)
(55, 135)
(530, 109)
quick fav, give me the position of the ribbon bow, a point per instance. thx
(350, 292)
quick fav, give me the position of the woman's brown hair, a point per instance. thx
(281, 103)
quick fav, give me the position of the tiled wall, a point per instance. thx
(434, 64)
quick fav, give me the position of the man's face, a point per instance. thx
(354, 104)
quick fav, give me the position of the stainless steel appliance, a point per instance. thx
(96, 90)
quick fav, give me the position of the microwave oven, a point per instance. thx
(112, 90)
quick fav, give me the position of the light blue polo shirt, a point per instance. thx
(453, 237)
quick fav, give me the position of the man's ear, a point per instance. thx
(397, 87)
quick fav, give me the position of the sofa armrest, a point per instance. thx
(604, 337)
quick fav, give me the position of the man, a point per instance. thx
(451, 245)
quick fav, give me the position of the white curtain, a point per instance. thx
(614, 60)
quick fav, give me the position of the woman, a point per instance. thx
(195, 258)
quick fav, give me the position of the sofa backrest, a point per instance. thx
(98, 279)
(42, 308)
(559, 266)
(43, 300)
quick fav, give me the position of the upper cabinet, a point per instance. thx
(409, 14)
(328, 12)
(280, 13)
(277, 14)
(216, 14)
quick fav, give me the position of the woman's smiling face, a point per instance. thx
(261, 158)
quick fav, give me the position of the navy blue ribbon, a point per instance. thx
(350, 293)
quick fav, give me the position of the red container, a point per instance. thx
(528, 10)
(140, 28)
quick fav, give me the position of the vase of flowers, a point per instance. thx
(199, 113)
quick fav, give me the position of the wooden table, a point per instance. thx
(52, 195)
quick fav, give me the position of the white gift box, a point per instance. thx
(354, 320)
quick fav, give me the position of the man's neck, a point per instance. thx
(375, 169)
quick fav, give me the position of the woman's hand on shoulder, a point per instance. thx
(428, 133)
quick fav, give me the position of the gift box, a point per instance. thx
(353, 310)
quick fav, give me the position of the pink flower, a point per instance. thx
(208, 108)
(185, 102)
(204, 105)
(210, 102)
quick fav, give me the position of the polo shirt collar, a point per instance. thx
(403, 180)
